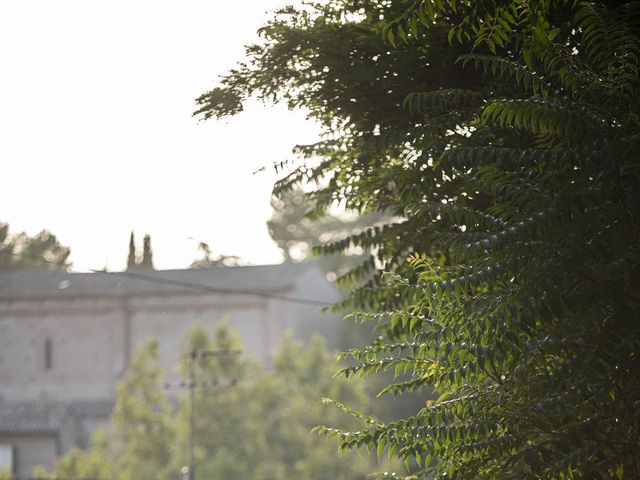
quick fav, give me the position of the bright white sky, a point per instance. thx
(97, 138)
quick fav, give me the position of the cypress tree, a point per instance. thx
(147, 254)
(131, 260)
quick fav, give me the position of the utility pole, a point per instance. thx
(190, 471)
(192, 413)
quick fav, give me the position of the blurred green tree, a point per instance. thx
(141, 423)
(251, 423)
(138, 443)
(297, 230)
(147, 253)
(131, 258)
(96, 463)
(208, 260)
(40, 252)
(255, 424)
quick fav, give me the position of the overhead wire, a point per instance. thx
(187, 285)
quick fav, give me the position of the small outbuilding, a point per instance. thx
(35, 433)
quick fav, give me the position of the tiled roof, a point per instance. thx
(264, 278)
(33, 417)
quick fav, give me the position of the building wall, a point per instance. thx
(30, 451)
(167, 319)
(86, 354)
(69, 435)
(91, 339)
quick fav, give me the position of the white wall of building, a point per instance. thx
(86, 340)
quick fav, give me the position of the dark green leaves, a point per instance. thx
(504, 136)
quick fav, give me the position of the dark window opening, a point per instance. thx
(48, 354)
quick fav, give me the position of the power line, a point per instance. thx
(184, 284)
(208, 288)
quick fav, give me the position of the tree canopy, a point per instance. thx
(209, 261)
(297, 230)
(135, 261)
(40, 252)
(506, 135)
(250, 423)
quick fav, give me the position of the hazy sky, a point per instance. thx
(97, 138)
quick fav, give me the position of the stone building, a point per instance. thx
(66, 338)
(34, 433)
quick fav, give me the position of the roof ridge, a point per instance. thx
(254, 279)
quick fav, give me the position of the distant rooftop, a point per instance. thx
(33, 417)
(263, 278)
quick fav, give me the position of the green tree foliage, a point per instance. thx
(22, 252)
(131, 258)
(141, 419)
(250, 423)
(255, 424)
(331, 60)
(519, 185)
(296, 231)
(96, 463)
(139, 440)
(147, 253)
(135, 261)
